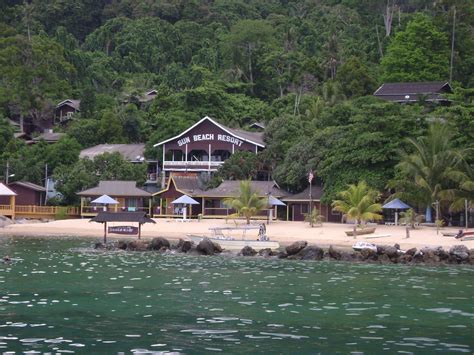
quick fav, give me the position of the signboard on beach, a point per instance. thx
(130, 230)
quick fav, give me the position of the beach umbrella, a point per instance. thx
(185, 200)
(273, 201)
(396, 205)
(105, 200)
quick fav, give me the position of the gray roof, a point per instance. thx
(230, 188)
(316, 193)
(28, 185)
(115, 188)
(259, 125)
(256, 137)
(130, 152)
(75, 104)
(409, 92)
(188, 185)
(49, 137)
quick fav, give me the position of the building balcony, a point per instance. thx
(192, 165)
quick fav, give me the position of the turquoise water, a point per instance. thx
(58, 296)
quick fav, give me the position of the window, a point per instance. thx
(304, 208)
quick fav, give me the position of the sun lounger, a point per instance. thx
(378, 236)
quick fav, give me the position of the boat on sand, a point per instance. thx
(369, 230)
(364, 245)
(226, 237)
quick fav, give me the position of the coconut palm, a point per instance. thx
(248, 203)
(410, 218)
(314, 217)
(357, 203)
(464, 179)
(429, 166)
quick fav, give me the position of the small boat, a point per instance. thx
(364, 245)
(230, 242)
(361, 231)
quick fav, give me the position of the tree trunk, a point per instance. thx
(355, 230)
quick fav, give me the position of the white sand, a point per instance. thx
(284, 232)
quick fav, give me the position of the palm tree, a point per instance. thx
(429, 166)
(464, 178)
(358, 203)
(410, 219)
(248, 203)
(314, 217)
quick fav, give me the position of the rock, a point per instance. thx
(405, 258)
(334, 254)
(391, 252)
(282, 255)
(396, 246)
(266, 253)
(206, 247)
(137, 245)
(411, 251)
(311, 253)
(471, 257)
(430, 257)
(122, 244)
(460, 253)
(348, 256)
(247, 251)
(443, 254)
(418, 257)
(158, 243)
(296, 247)
(184, 245)
(99, 245)
(384, 259)
(5, 221)
(368, 254)
(217, 247)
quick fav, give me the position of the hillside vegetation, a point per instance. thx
(305, 68)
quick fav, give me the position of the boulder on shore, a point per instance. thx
(184, 246)
(311, 252)
(266, 253)
(460, 253)
(368, 254)
(334, 253)
(296, 247)
(207, 247)
(247, 251)
(158, 243)
(5, 221)
(137, 245)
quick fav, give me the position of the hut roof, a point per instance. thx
(5, 191)
(29, 185)
(251, 137)
(316, 193)
(230, 188)
(410, 92)
(75, 104)
(115, 188)
(130, 152)
(139, 217)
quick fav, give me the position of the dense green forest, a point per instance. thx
(305, 68)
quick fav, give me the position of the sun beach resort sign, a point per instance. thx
(209, 137)
(129, 230)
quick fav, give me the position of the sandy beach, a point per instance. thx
(281, 231)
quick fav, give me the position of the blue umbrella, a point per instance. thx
(396, 205)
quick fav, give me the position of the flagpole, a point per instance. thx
(310, 203)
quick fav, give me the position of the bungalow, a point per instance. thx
(211, 201)
(298, 205)
(28, 193)
(415, 92)
(65, 109)
(128, 195)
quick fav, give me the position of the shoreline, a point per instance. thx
(282, 231)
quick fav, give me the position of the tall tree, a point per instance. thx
(248, 203)
(419, 53)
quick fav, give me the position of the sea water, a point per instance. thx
(60, 296)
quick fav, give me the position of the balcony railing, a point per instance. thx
(192, 163)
